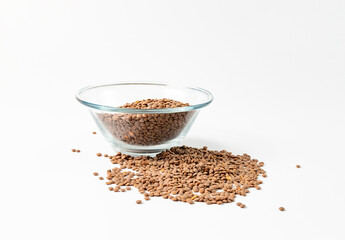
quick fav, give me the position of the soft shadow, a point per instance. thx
(199, 143)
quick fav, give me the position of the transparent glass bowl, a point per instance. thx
(143, 131)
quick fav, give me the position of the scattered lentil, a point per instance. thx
(298, 166)
(95, 173)
(187, 174)
(101, 178)
(147, 198)
(93, 132)
(139, 202)
(74, 150)
(99, 154)
(78, 150)
(282, 209)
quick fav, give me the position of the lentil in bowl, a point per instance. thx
(143, 118)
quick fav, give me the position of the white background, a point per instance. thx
(276, 69)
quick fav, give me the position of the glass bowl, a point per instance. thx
(143, 131)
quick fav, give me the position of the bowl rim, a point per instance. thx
(131, 110)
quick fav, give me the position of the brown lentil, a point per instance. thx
(139, 202)
(78, 150)
(282, 209)
(93, 132)
(95, 173)
(105, 155)
(298, 166)
(99, 154)
(147, 129)
(147, 198)
(74, 150)
(187, 174)
(101, 178)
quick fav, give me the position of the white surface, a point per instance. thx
(276, 69)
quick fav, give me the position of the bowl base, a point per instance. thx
(145, 150)
(140, 152)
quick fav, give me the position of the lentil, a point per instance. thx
(282, 209)
(95, 173)
(99, 154)
(298, 166)
(187, 174)
(139, 202)
(147, 129)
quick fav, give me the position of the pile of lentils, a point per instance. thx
(187, 174)
(147, 129)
